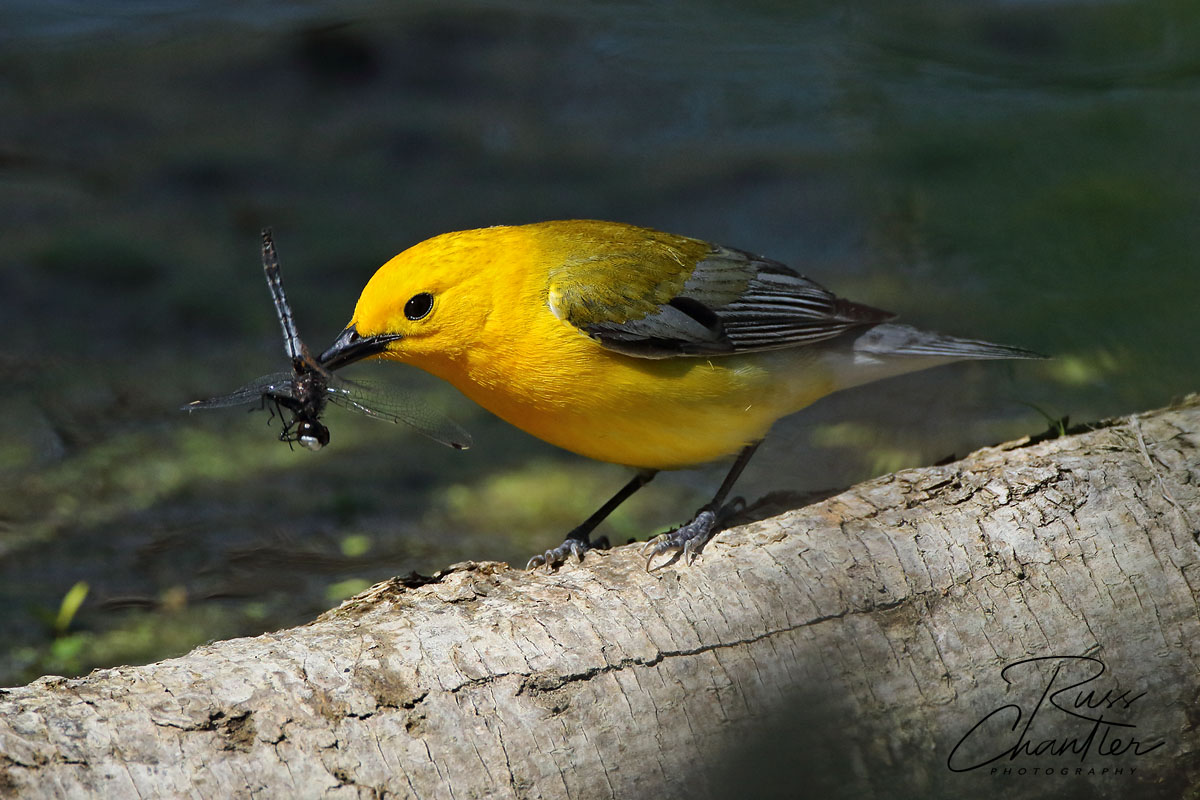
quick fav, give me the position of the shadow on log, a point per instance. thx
(854, 648)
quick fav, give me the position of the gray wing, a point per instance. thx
(277, 384)
(389, 403)
(736, 302)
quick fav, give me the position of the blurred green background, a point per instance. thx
(1021, 172)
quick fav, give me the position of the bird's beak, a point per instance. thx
(350, 347)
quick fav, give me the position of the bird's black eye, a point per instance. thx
(418, 305)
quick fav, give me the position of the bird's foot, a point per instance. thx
(688, 540)
(556, 556)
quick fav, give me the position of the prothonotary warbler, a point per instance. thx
(630, 345)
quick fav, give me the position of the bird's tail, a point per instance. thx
(905, 340)
(889, 349)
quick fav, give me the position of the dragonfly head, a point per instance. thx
(350, 346)
(311, 434)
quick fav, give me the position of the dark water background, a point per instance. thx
(1022, 172)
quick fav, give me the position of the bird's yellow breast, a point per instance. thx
(501, 344)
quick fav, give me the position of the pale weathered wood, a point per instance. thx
(842, 648)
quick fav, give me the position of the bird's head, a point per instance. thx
(429, 302)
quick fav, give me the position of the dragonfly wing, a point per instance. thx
(277, 384)
(386, 402)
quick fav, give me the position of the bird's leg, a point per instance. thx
(577, 542)
(688, 540)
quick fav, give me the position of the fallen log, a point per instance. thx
(943, 631)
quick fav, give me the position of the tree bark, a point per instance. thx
(853, 647)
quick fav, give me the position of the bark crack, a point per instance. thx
(1162, 486)
(543, 682)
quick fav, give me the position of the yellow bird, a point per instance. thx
(630, 345)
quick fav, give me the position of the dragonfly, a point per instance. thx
(300, 396)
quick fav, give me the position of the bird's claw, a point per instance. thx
(688, 540)
(558, 555)
(685, 542)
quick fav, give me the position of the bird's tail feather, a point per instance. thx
(887, 350)
(904, 340)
